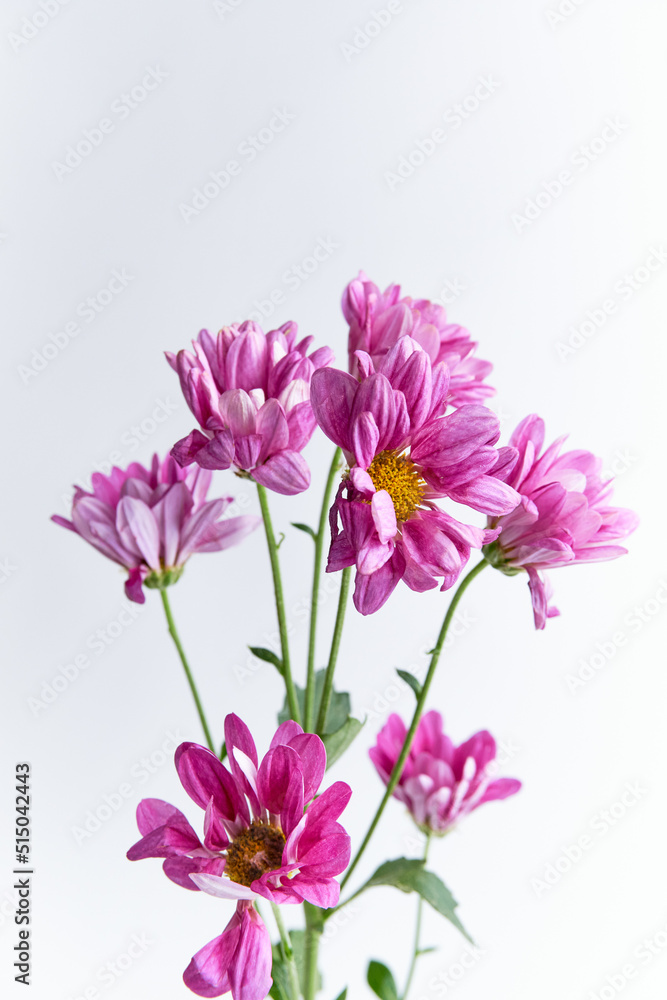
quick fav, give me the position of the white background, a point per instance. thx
(356, 111)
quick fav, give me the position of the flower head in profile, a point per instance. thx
(441, 783)
(377, 320)
(403, 456)
(152, 520)
(564, 517)
(266, 836)
(249, 392)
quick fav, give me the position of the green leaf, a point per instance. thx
(305, 527)
(410, 875)
(298, 939)
(269, 656)
(339, 707)
(337, 743)
(381, 981)
(343, 995)
(410, 679)
(281, 539)
(281, 985)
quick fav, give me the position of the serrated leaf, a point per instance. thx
(410, 679)
(337, 743)
(268, 656)
(339, 706)
(305, 527)
(381, 981)
(298, 939)
(410, 875)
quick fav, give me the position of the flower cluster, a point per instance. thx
(152, 520)
(249, 392)
(404, 454)
(266, 836)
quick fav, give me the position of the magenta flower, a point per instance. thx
(152, 520)
(440, 783)
(249, 392)
(402, 457)
(378, 319)
(564, 516)
(266, 836)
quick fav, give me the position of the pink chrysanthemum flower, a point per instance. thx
(378, 319)
(249, 392)
(403, 456)
(266, 836)
(564, 516)
(440, 783)
(152, 520)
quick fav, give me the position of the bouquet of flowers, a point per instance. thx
(411, 432)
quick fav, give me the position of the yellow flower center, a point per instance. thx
(256, 850)
(401, 479)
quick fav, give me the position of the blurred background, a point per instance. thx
(171, 166)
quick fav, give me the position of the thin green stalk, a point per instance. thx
(421, 701)
(418, 928)
(314, 924)
(309, 713)
(333, 655)
(280, 605)
(188, 673)
(288, 953)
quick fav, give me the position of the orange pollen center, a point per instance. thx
(401, 479)
(256, 850)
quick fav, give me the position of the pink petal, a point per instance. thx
(286, 473)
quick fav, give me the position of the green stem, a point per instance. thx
(188, 673)
(418, 928)
(280, 605)
(314, 603)
(333, 655)
(421, 701)
(311, 947)
(288, 953)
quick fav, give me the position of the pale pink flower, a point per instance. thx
(564, 516)
(152, 520)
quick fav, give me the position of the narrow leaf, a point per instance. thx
(268, 656)
(298, 939)
(305, 527)
(343, 995)
(410, 679)
(381, 981)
